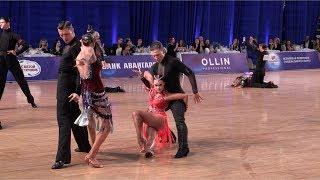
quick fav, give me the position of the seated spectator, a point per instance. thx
(207, 44)
(56, 48)
(196, 45)
(127, 51)
(116, 49)
(271, 44)
(43, 46)
(212, 49)
(316, 45)
(289, 46)
(276, 44)
(181, 46)
(139, 47)
(130, 44)
(235, 45)
(307, 43)
(202, 45)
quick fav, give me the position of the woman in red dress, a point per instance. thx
(152, 126)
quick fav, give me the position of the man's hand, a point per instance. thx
(13, 52)
(74, 97)
(197, 98)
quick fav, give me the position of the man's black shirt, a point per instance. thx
(173, 68)
(67, 62)
(261, 63)
(8, 41)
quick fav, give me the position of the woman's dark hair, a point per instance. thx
(43, 40)
(55, 43)
(87, 39)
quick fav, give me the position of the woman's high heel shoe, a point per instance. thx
(93, 162)
(149, 153)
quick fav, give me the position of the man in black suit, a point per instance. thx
(67, 112)
(9, 61)
(170, 69)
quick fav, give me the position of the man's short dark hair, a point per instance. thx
(6, 19)
(65, 25)
(156, 45)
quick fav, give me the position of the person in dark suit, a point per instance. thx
(260, 71)
(169, 69)
(68, 111)
(9, 61)
(252, 50)
(172, 47)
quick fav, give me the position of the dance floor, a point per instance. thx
(234, 134)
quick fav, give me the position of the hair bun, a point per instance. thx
(87, 39)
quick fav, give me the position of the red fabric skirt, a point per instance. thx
(163, 136)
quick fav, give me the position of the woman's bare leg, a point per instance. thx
(138, 124)
(100, 138)
(150, 119)
(150, 142)
(92, 130)
(151, 138)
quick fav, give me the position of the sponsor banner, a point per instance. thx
(122, 66)
(293, 60)
(216, 63)
(30, 68)
(46, 68)
(38, 68)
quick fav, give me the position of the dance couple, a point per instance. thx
(79, 74)
(165, 93)
(83, 59)
(256, 79)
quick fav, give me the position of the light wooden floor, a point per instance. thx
(233, 134)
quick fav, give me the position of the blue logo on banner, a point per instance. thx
(274, 61)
